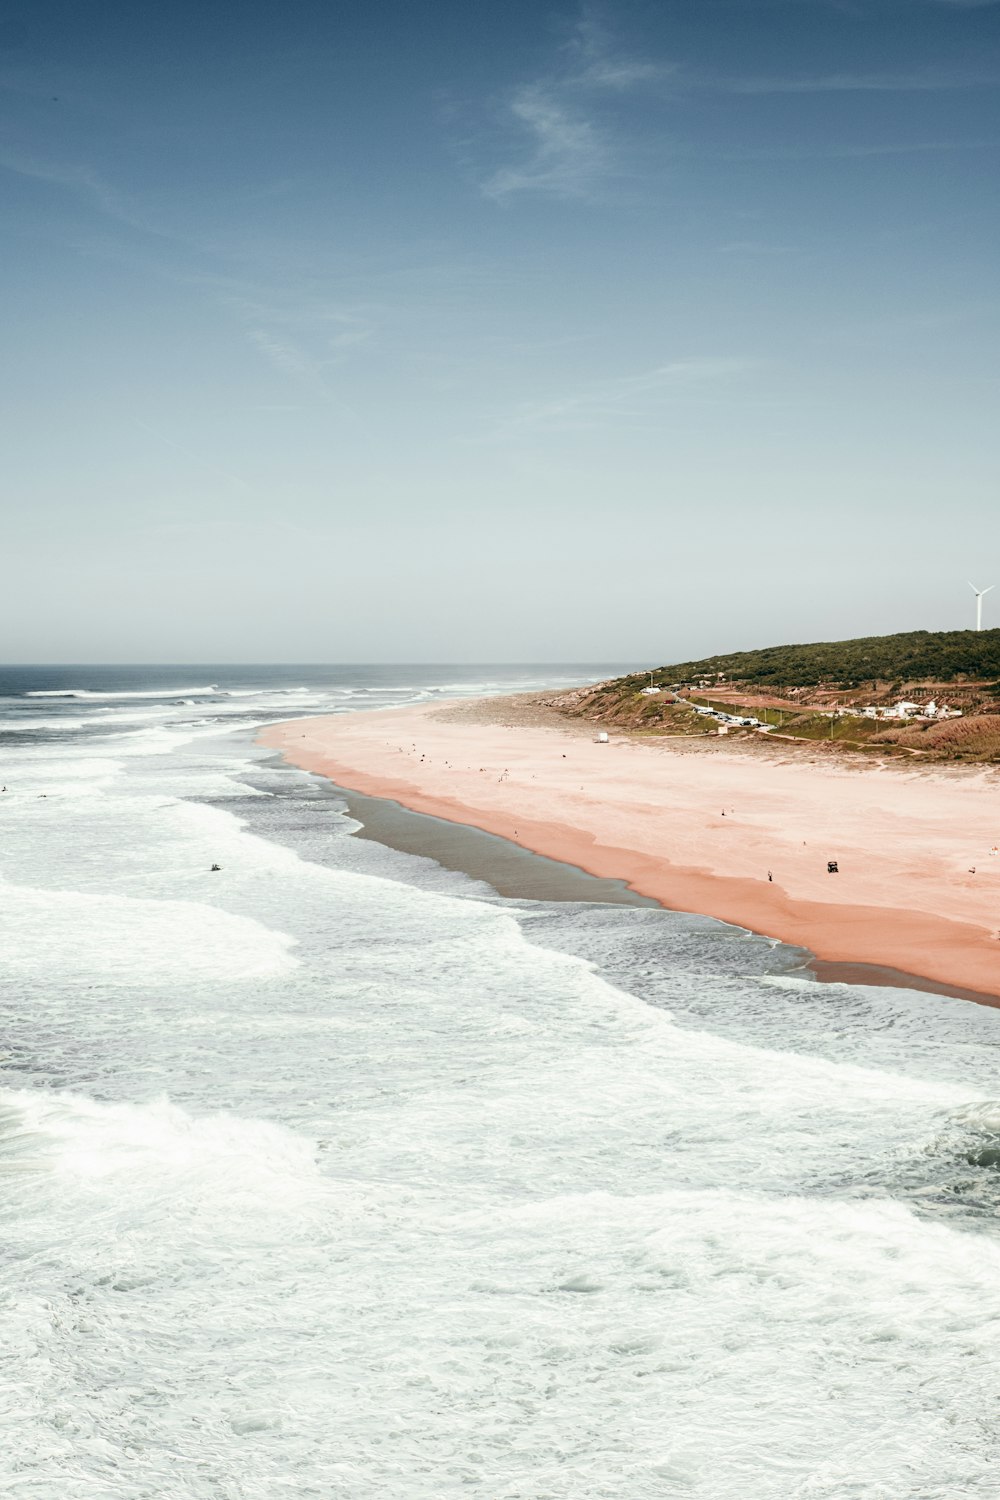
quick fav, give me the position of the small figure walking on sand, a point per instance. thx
(769, 875)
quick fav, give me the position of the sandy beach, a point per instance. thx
(701, 826)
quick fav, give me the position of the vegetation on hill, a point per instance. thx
(915, 656)
(976, 738)
(814, 693)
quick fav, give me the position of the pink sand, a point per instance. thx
(651, 813)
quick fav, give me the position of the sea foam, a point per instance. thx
(89, 693)
(323, 1174)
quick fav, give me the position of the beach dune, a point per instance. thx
(742, 833)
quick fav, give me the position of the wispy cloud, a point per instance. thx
(562, 118)
(302, 332)
(304, 336)
(569, 123)
(195, 458)
(568, 152)
(77, 178)
(927, 81)
(858, 152)
(629, 397)
(593, 59)
(283, 354)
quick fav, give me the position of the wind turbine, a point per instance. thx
(979, 602)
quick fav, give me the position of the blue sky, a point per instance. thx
(456, 332)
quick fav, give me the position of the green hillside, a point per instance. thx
(915, 656)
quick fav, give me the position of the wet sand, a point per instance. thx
(697, 829)
(511, 870)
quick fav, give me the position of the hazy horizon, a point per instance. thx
(532, 334)
(623, 665)
(138, 666)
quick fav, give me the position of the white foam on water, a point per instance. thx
(123, 940)
(157, 739)
(285, 692)
(29, 726)
(323, 1184)
(59, 775)
(100, 719)
(212, 1313)
(88, 693)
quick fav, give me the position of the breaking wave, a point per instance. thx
(327, 1172)
(89, 693)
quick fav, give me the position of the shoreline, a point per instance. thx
(518, 874)
(511, 870)
(647, 814)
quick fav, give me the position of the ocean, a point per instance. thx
(334, 1173)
